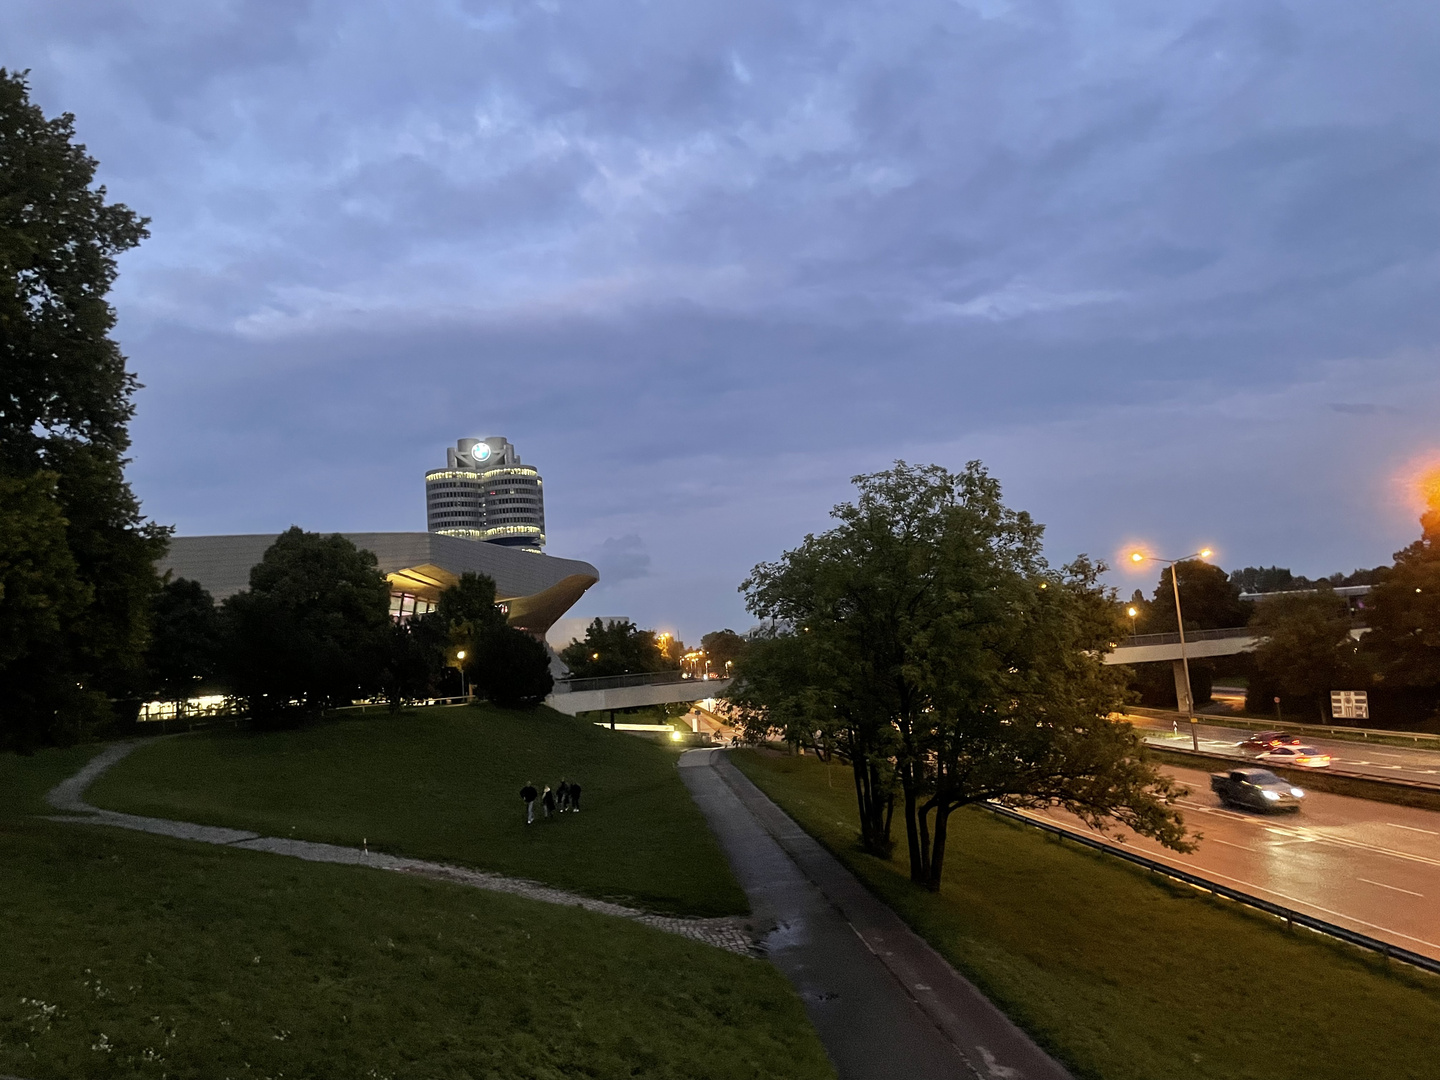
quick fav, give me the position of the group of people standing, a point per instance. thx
(565, 797)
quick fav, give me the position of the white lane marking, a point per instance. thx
(994, 1068)
(1395, 887)
(1412, 828)
(1200, 871)
(1217, 840)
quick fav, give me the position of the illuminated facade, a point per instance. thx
(533, 590)
(486, 493)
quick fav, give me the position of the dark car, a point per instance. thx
(1256, 789)
(1268, 740)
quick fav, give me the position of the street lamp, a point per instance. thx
(1132, 611)
(1204, 553)
(464, 693)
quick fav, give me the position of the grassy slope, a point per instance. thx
(444, 784)
(1123, 975)
(199, 961)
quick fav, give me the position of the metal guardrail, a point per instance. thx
(1290, 915)
(1190, 635)
(1261, 723)
(644, 678)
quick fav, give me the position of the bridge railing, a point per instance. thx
(1190, 635)
(645, 678)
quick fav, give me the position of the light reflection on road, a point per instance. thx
(1365, 865)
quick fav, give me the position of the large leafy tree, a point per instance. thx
(1209, 596)
(185, 640)
(510, 668)
(1403, 610)
(41, 597)
(928, 639)
(617, 647)
(311, 632)
(1305, 648)
(65, 402)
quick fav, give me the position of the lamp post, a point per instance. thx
(464, 693)
(1189, 703)
(1132, 611)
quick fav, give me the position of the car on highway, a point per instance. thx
(1256, 789)
(1267, 740)
(1305, 757)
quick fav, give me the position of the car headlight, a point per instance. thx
(1297, 793)
(1273, 796)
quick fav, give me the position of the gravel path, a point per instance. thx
(731, 934)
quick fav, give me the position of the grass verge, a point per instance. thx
(444, 784)
(127, 956)
(1124, 975)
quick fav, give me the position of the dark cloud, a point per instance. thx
(703, 262)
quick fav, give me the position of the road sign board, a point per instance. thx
(1349, 705)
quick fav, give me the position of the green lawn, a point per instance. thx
(127, 955)
(444, 784)
(1122, 974)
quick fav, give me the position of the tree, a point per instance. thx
(414, 660)
(510, 668)
(929, 635)
(1403, 610)
(185, 640)
(1267, 579)
(1210, 599)
(65, 400)
(309, 634)
(41, 596)
(723, 648)
(1305, 647)
(615, 648)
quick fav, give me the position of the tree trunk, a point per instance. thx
(870, 800)
(912, 824)
(920, 871)
(937, 856)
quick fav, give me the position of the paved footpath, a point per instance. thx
(724, 933)
(886, 1005)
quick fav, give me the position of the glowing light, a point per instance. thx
(1132, 612)
(1136, 557)
(1205, 553)
(460, 655)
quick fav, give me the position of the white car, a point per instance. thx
(1306, 757)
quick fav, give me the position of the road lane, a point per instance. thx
(1368, 866)
(1381, 762)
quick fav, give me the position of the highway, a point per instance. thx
(1382, 762)
(1368, 866)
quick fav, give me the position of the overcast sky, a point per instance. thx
(1169, 269)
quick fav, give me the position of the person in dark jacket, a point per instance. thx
(547, 800)
(562, 796)
(528, 793)
(575, 797)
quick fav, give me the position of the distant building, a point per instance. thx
(485, 493)
(534, 590)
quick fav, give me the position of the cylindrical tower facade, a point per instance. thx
(486, 493)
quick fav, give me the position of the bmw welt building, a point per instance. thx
(499, 536)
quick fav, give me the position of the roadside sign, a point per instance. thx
(1349, 705)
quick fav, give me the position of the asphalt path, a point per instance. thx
(886, 1005)
(1381, 762)
(1367, 866)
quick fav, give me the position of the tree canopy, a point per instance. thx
(1305, 647)
(65, 402)
(311, 631)
(616, 647)
(925, 639)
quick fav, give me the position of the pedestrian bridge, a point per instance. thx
(1199, 644)
(612, 693)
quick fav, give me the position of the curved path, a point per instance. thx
(886, 1005)
(68, 795)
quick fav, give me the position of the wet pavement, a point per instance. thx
(1368, 866)
(1382, 762)
(884, 1003)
